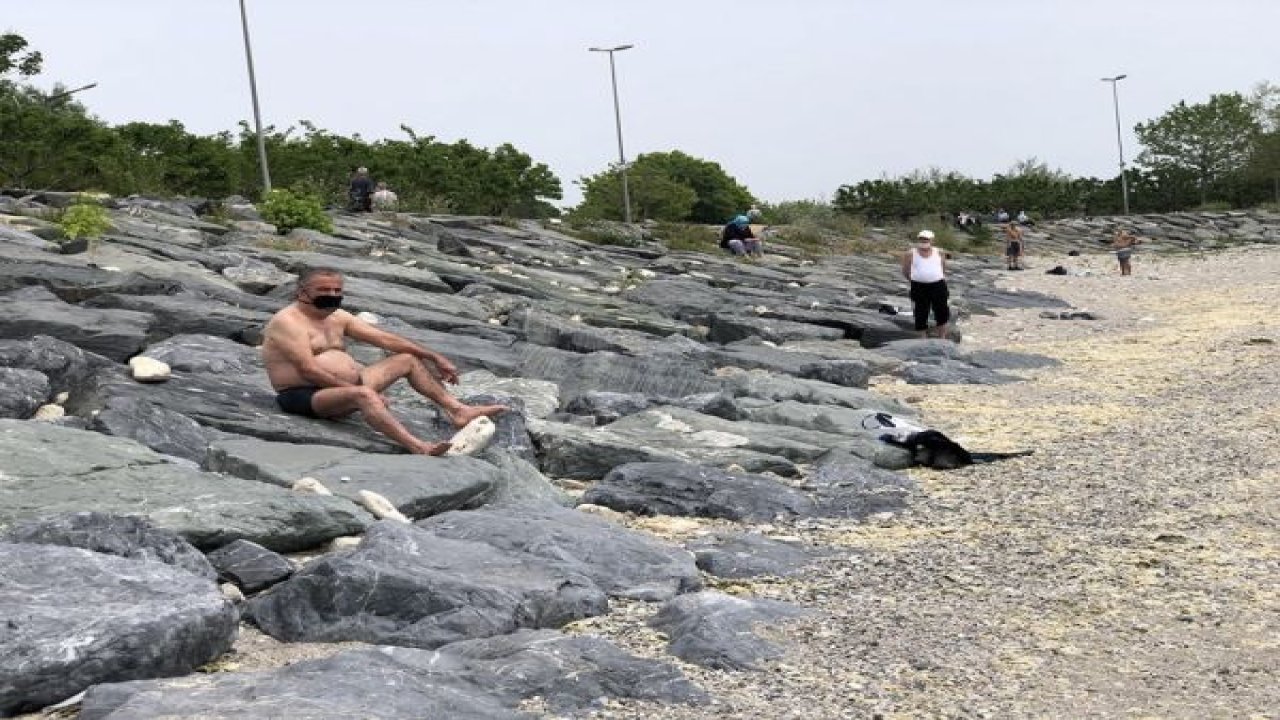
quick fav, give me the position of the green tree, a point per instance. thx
(1264, 163)
(655, 181)
(14, 55)
(1212, 140)
(654, 195)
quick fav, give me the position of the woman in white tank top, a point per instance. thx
(925, 266)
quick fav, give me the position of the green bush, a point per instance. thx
(683, 236)
(85, 219)
(1213, 207)
(288, 210)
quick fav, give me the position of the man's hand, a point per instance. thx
(448, 371)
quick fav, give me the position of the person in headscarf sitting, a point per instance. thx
(738, 239)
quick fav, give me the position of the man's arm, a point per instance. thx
(906, 266)
(290, 340)
(358, 329)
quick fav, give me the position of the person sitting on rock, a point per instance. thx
(738, 239)
(360, 191)
(304, 350)
(384, 198)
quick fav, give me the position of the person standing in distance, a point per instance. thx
(926, 269)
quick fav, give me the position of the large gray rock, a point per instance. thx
(715, 630)
(520, 483)
(406, 586)
(67, 366)
(165, 431)
(418, 486)
(24, 392)
(697, 491)
(468, 680)
(745, 555)
(75, 618)
(622, 562)
(249, 565)
(654, 375)
(588, 453)
(727, 328)
(952, 372)
(117, 334)
(51, 470)
(186, 313)
(123, 535)
(780, 388)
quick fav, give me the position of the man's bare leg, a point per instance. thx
(381, 374)
(341, 401)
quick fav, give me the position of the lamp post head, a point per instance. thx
(617, 48)
(1114, 79)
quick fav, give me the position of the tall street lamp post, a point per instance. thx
(617, 116)
(69, 93)
(1115, 97)
(257, 113)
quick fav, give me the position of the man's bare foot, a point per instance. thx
(465, 414)
(432, 449)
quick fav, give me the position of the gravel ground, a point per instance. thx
(1130, 567)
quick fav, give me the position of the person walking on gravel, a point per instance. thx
(1014, 246)
(925, 267)
(1123, 244)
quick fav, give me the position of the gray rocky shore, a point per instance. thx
(687, 513)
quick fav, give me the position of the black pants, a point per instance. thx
(930, 296)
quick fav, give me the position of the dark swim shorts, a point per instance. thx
(297, 400)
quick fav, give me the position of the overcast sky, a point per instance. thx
(792, 97)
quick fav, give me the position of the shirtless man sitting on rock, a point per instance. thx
(304, 350)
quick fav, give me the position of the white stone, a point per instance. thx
(473, 438)
(369, 317)
(380, 506)
(760, 309)
(666, 422)
(49, 413)
(231, 592)
(644, 273)
(601, 511)
(145, 369)
(311, 485)
(716, 438)
(61, 398)
(344, 543)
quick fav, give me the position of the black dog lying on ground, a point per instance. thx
(932, 449)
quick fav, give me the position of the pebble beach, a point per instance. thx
(1129, 567)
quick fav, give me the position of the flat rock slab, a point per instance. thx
(470, 680)
(418, 486)
(117, 334)
(250, 566)
(74, 618)
(24, 392)
(406, 586)
(745, 555)
(698, 491)
(623, 562)
(49, 470)
(122, 535)
(715, 630)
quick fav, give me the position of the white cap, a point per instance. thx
(925, 234)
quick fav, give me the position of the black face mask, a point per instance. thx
(327, 302)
